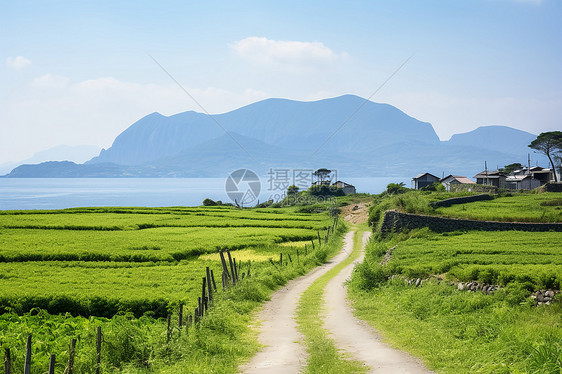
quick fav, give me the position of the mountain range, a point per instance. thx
(77, 153)
(357, 137)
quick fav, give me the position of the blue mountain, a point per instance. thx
(355, 136)
(343, 124)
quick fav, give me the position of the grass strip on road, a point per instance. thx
(324, 357)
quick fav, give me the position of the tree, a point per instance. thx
(511, 167)
(322, 173)
(549, 143)
(436, 186)
(558, 162)
(321, 190)
(396, 188)
(292, 190)
(209, 202)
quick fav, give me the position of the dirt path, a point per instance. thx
(355, 213)
(283, 352)
(355, 336)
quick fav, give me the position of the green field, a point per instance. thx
(99, 261)
(134, 264)
(521, 207)
(455, 331)
(488, 257)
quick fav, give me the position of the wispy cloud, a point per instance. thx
(284, 53)
(17, 63)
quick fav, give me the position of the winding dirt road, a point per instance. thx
(284, 351)
(355, 336)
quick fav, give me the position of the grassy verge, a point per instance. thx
(457, 331)
(324, 357)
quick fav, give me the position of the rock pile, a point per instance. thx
(388, 255)
(544, 296)
(487, 289)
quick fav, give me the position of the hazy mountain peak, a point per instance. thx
(294, 125)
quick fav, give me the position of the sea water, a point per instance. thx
(58, 193)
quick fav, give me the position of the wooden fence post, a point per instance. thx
(231, 267)
(312, 241)
(239, 269)
(209, 285)
(98, 350)
(52, 361)
(273, 263)
(204, 292)
(224, 266)
(235, 269)
(280, 259)
(70, 366)
(319, 240)
(298, 260)
(27, 365)
(213, 279)
(305, 250)
(7, 361)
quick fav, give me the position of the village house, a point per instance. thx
(528, 179)
(454, 179)
(494, 178)
(347, 188)
(424, 180)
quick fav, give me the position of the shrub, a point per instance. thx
(396, 188)
(324, 190)
(209, 202)
(369, 276)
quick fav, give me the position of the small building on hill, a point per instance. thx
(454, 179)
(424, 180)
(494, 178)
(347, 188)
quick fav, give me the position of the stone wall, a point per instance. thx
(397, 221)
(553, 187)
(461, 200)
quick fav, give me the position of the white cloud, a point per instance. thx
(289, 54)
(18, 62)
(54, 110)
(49, 81)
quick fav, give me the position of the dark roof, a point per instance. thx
(490, 174)
(346, 184)
(421, 175)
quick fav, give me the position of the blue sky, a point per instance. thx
(78, 72)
